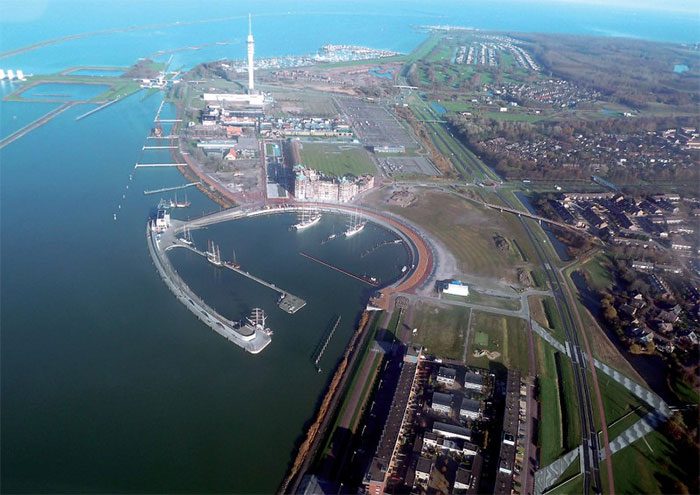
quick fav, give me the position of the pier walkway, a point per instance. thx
(37, 123)
(174, 188)
(338, 269)
(288, 302)
(95, 110)
(158, 165)
(253, 343)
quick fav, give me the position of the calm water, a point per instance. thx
(64, 91)
(108, 382)
(177, 26)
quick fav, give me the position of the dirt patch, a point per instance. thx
(401, 198)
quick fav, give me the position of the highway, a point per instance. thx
(589, 437)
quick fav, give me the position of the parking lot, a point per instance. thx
(407, 165)
(373, 124)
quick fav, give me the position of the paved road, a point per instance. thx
(591, 459)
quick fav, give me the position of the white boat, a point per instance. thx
(213, 254)
(356, 225)
(355, 229)
(307, 220)
(187, 237)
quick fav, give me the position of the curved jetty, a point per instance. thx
(252, 338)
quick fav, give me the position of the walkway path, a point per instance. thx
(35, 124)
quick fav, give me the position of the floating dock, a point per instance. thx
(325, 344)
(366, 280)
(174, 188)
(287, 302)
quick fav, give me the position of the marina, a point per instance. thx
(287, 301)
(252, 339)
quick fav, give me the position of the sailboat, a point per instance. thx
(180, 204)
(187, 237)
(356, 225)
(213, 254)
(308, 219)
(233, 264)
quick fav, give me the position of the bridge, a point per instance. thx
(540, 219)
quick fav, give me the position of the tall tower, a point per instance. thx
(251, 52)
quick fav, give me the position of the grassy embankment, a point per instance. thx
(468, 231)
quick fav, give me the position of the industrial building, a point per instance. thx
(456, 288)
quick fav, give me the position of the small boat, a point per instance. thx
(403, 270)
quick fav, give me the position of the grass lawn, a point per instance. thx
(486, 300)
(550, 429)
(569, 404)
(468, 231)
(441, 329)
(598, 270)
(647, 466)
(553, 318)
(506, 335)
(617, 400)
(337, 159)
(573, 487)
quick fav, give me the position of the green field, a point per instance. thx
(441, 329)
(559, 427)
(648, 466)
(550, 426)
(505, 335)
(486, 300)
(336, 159)
(118, 87)
(598, 271)
(481, 339)
(467, 231)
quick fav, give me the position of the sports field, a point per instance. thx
(336, 159)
